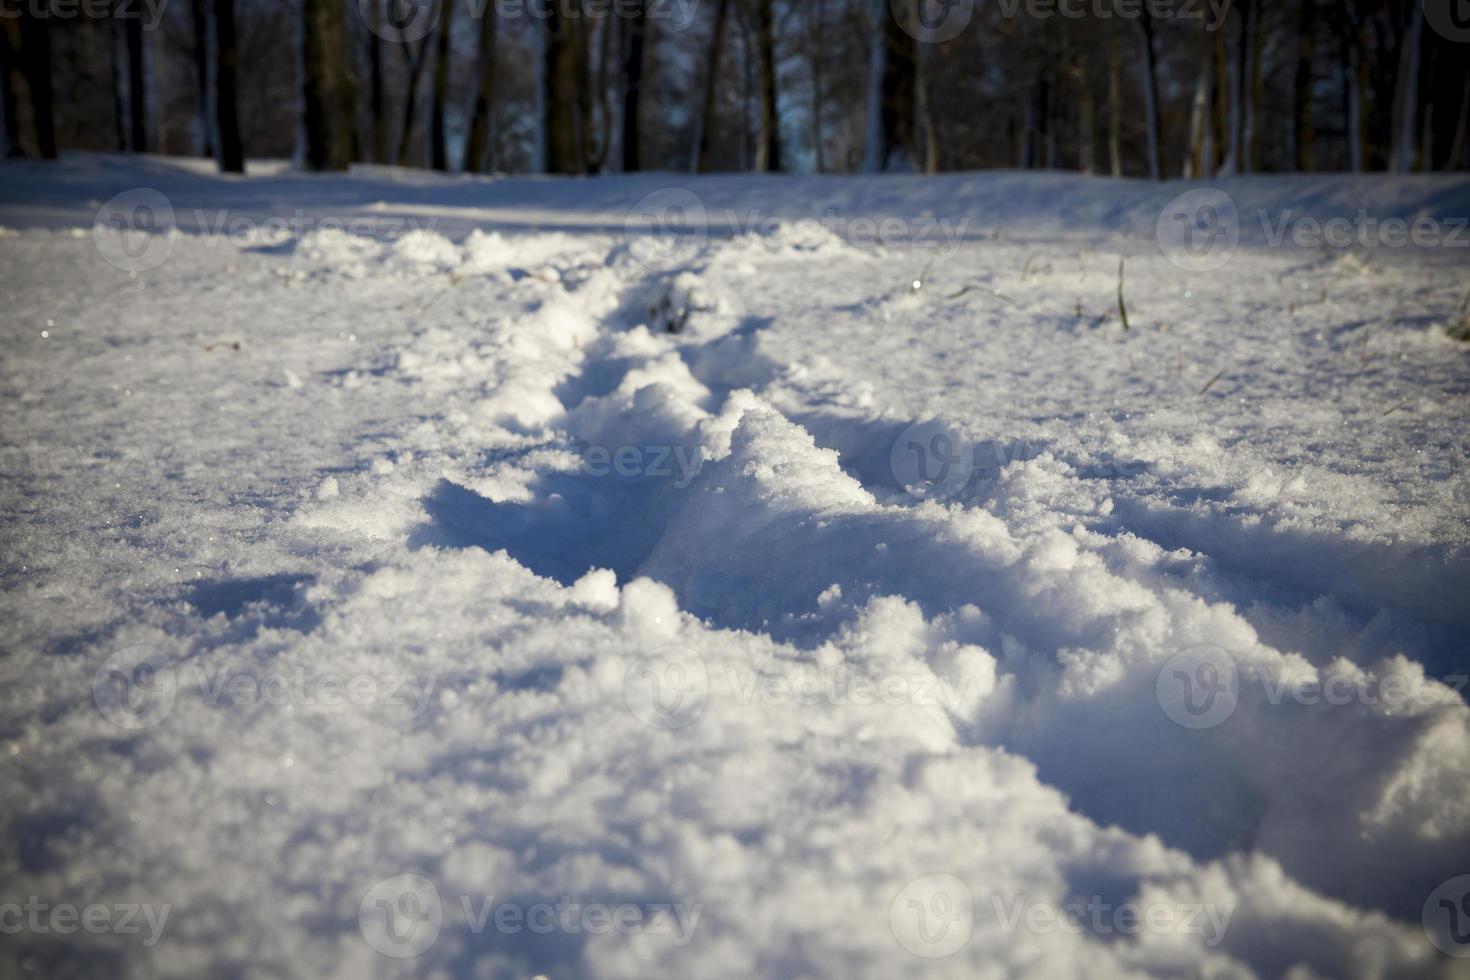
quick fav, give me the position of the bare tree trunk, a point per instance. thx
(438, 138)
(1426, 145)
(12, 86)
(814, 55)
(1031, 126)
(1243, 110)
(137, 89)
(1048, 113)
(925, 121)
(892, 90)
(582, 40)
(1406, 94)
(1254, 92)
(768, 150)
(1208, 155)
(1462, 132)
(637, 27)
(699, 161)
(600, 91)
(875, 138)
(9, 119)
(1350, 57)
(227, 110)
(559, 96)
(119, 107)
(1239, 69)
(1087, 119)
(414, 59)
(1199, 109)
(1219, 97)
(199, 20)
(1301, 131)
(1115, 108)
(377, 104)
(1150, 92)
(327, 86)
(747, 90)
(479, 139)
(38, 76)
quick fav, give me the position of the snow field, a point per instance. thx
(462, 584)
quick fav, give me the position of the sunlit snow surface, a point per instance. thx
(391, 605)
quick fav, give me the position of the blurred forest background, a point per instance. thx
(830, 86)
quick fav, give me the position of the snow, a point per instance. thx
(423, 578)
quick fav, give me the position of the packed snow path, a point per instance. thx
(388, 605)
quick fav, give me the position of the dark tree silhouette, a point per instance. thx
(587, 86)
(1150, 92)
(326, 86)
(137, 87)
(485, 62)
(414, 59)
(559, 96)
(438, 138)
(703, 122)
(227, 100)
(199, 21)
(12, 85)
(377, 100)
(1301, 123)
(892, 142)
(634, 44)
(768, 150)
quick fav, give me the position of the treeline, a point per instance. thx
(1123, 87)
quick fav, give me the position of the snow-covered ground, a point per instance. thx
(416, 602)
